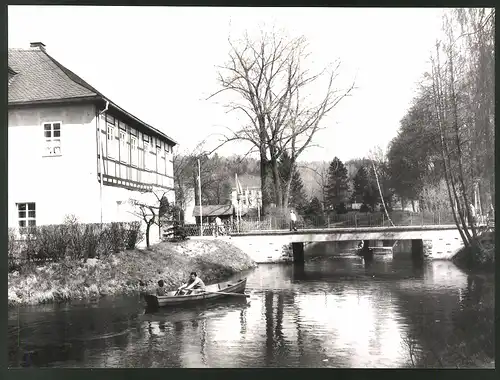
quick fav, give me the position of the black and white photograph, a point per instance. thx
(250, 187)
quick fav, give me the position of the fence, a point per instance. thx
(208, 229)
(352, 220)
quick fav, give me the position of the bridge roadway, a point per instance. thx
(435, 241)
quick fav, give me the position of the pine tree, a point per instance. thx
(313, 213)
(337, 187)
(298, 198)
(360, 183)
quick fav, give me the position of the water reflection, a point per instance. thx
(333, 312)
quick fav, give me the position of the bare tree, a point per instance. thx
(152, 213)
(321, 179)
(269, 79)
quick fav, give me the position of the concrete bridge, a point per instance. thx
(433, 241)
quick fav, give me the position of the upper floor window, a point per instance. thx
(111, 133)
(133, 150)
(26, 215)
(52, 135)
(112, 146)
(124, 151)
(123, 137)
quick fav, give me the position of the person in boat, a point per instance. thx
(194, 285)
(160, 290)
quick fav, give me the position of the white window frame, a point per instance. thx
(124, 153)
(134, 159)
(29, 216)
(52, 143)
(123, 136)
(112, 150)
(162, 163)
(110, 132)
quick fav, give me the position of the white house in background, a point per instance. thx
(74, 151)
(251, 198)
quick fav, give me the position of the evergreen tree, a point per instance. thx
(298, 198)
(365, 189)
(360, 183)
(371, 195)
(337, 187)
(313, 213)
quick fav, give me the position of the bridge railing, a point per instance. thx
(398, 218)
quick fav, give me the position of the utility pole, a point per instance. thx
(199, 197)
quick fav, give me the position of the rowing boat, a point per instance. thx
(214, 291)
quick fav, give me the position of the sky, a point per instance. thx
(160, 64)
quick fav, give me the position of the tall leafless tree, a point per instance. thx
(268, 77)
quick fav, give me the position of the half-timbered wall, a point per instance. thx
(133, 159)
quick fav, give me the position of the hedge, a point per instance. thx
(71, 240)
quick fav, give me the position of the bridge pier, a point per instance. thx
(417, 249)
(298, 252)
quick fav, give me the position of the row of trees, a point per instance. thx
(445, 140)
(444, 151)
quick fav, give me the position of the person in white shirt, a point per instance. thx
(219, 228)
(194, 284)
(293, 220)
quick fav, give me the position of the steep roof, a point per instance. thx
(39, 78)
(42, 78)
(213, 210)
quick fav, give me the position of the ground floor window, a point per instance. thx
(26, 215)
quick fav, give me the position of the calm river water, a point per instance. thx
(334, 311)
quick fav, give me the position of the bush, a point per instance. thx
(71, 240)
(179, 232)
(340, 208)
(13, 250)
(134, 235)
(117, 237)
(364, 208)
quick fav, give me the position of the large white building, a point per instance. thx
(74, 151)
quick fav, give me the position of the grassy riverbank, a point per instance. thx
(482, 259)
(122, 273)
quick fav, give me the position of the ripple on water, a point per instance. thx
(329, 313)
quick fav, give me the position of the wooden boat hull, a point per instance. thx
(238, 287)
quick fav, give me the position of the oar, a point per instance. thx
(229, 294)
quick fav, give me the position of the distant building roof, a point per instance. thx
(40, 79)
(214, 210)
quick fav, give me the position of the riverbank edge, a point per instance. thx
(126, 273)
(481, 261)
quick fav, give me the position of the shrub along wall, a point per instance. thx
(71, 240)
